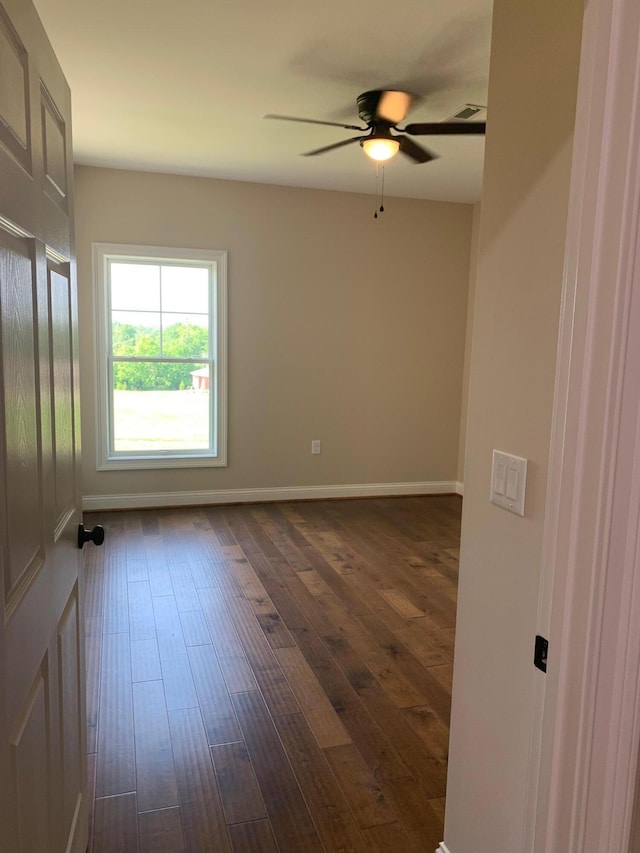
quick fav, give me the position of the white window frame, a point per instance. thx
(216, 454)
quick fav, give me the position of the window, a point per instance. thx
(161, 346)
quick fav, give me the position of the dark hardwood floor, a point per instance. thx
(271, 677)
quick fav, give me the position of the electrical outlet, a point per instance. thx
(315, 447)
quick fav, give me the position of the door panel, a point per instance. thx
(62, 392)
(42, 690)
(31, 781)
(14, 93)
(70, 713)
(54, 150)
(18, 333)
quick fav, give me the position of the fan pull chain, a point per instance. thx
(381, 208)
(375, 211)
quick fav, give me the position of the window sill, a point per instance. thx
(150, 462)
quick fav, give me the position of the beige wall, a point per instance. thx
(532, 94)
(341, 327)
(471, 298)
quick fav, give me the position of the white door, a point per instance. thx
(42, 734)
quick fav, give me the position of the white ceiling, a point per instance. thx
(182, 87)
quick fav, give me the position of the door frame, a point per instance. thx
(584, 755)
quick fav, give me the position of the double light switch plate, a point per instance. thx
(508, 481)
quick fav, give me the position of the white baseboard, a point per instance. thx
(459, 488)
(442, 848)
(152, 500)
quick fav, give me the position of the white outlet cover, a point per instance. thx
(508, 481)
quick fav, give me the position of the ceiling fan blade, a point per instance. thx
(335, 145)
(443, 128)
(393, 106)
(315, 121)
(416, 152)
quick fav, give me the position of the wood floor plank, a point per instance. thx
(314, 583)
(231, 655)
(444, 676)
(254, 837)
(116, 759)
(277, 529)
(149, 520)
(388, 837)
(116, 602)
(290, 819)
(93, 564)
(266, 614)
(180, 691)
(142, 624)
(424, 641)
(155, 775)
(145, 660)
(382, 559)
(204, 571)
(438, 806)
(327, 804)
(331, 548)
(431, 730)
(184, 588)
(399, 674)
(115, 826)
(318, 711)
(161, 832)
(194, 628)
(264, 556)
(219, 567)
(359, 785)
(200, 805)
(137, 568)
(93, 654)
(217, 711)
(341, 685)
(157, 566)
(241, 798)
(424, 765)
(415, 812)
(265, 666)
(401, 604)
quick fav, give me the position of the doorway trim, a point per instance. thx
(584, 757)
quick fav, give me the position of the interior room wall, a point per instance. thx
(341, 328)
(464, 406)
(532, 92)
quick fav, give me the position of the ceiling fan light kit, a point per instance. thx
(380, 148)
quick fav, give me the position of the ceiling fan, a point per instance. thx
(381, 110)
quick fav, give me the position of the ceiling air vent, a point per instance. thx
(469, 112)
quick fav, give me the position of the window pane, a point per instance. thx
(185, 289)
(135, 333)
(160, 407)
(185, 335)
(135, 287)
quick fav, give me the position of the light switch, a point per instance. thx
(508, 481)
(499, 477)
(512, 484)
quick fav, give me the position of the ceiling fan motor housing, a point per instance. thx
(368, 106)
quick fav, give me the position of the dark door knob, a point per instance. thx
(96, 535)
